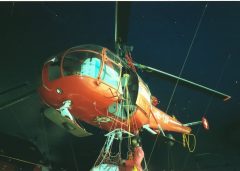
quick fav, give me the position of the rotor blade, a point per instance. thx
(17, 94)
(18, 86)
(183, 81)
(18, 99)
(122, 13)
(20, 149)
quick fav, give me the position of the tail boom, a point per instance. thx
(159, 119)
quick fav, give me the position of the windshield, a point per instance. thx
(88, 62)
(85, 63)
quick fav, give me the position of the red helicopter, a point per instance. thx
(92, 84)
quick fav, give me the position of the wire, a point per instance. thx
(145, 164)
(186, 58)
(23, 161)
(185, 61)
(186, 142)
(211, 100)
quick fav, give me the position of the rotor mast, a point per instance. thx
(122, 13)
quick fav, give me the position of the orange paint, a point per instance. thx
(93, 91)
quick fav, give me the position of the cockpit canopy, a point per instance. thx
(91, 61)
(102, 65)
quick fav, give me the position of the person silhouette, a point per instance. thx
(135, 158)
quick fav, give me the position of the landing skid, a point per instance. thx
(64, 122)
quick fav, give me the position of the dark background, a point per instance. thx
(161, 33)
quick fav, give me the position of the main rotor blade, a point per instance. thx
(122, 12)
(16, 94)
(18, 99)
(18, 86)
(183, 81)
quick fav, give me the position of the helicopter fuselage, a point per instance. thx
(103, 91)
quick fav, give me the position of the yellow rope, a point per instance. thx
(186, 142)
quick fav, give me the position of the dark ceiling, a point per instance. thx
(161, 33)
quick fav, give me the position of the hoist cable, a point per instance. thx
(185, 61)
(211, 100)
(186, 58)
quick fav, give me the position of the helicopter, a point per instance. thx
(90, 83)
(102, 117)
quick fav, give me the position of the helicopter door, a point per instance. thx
(144, 96)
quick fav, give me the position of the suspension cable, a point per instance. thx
(210, 101)
(185, 61)
(186, 58)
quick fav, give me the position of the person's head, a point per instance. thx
(135, 141)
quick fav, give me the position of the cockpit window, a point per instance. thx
(91, 67)
(113, 57)
(82, 63)
(111, 74)
(88, 62)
